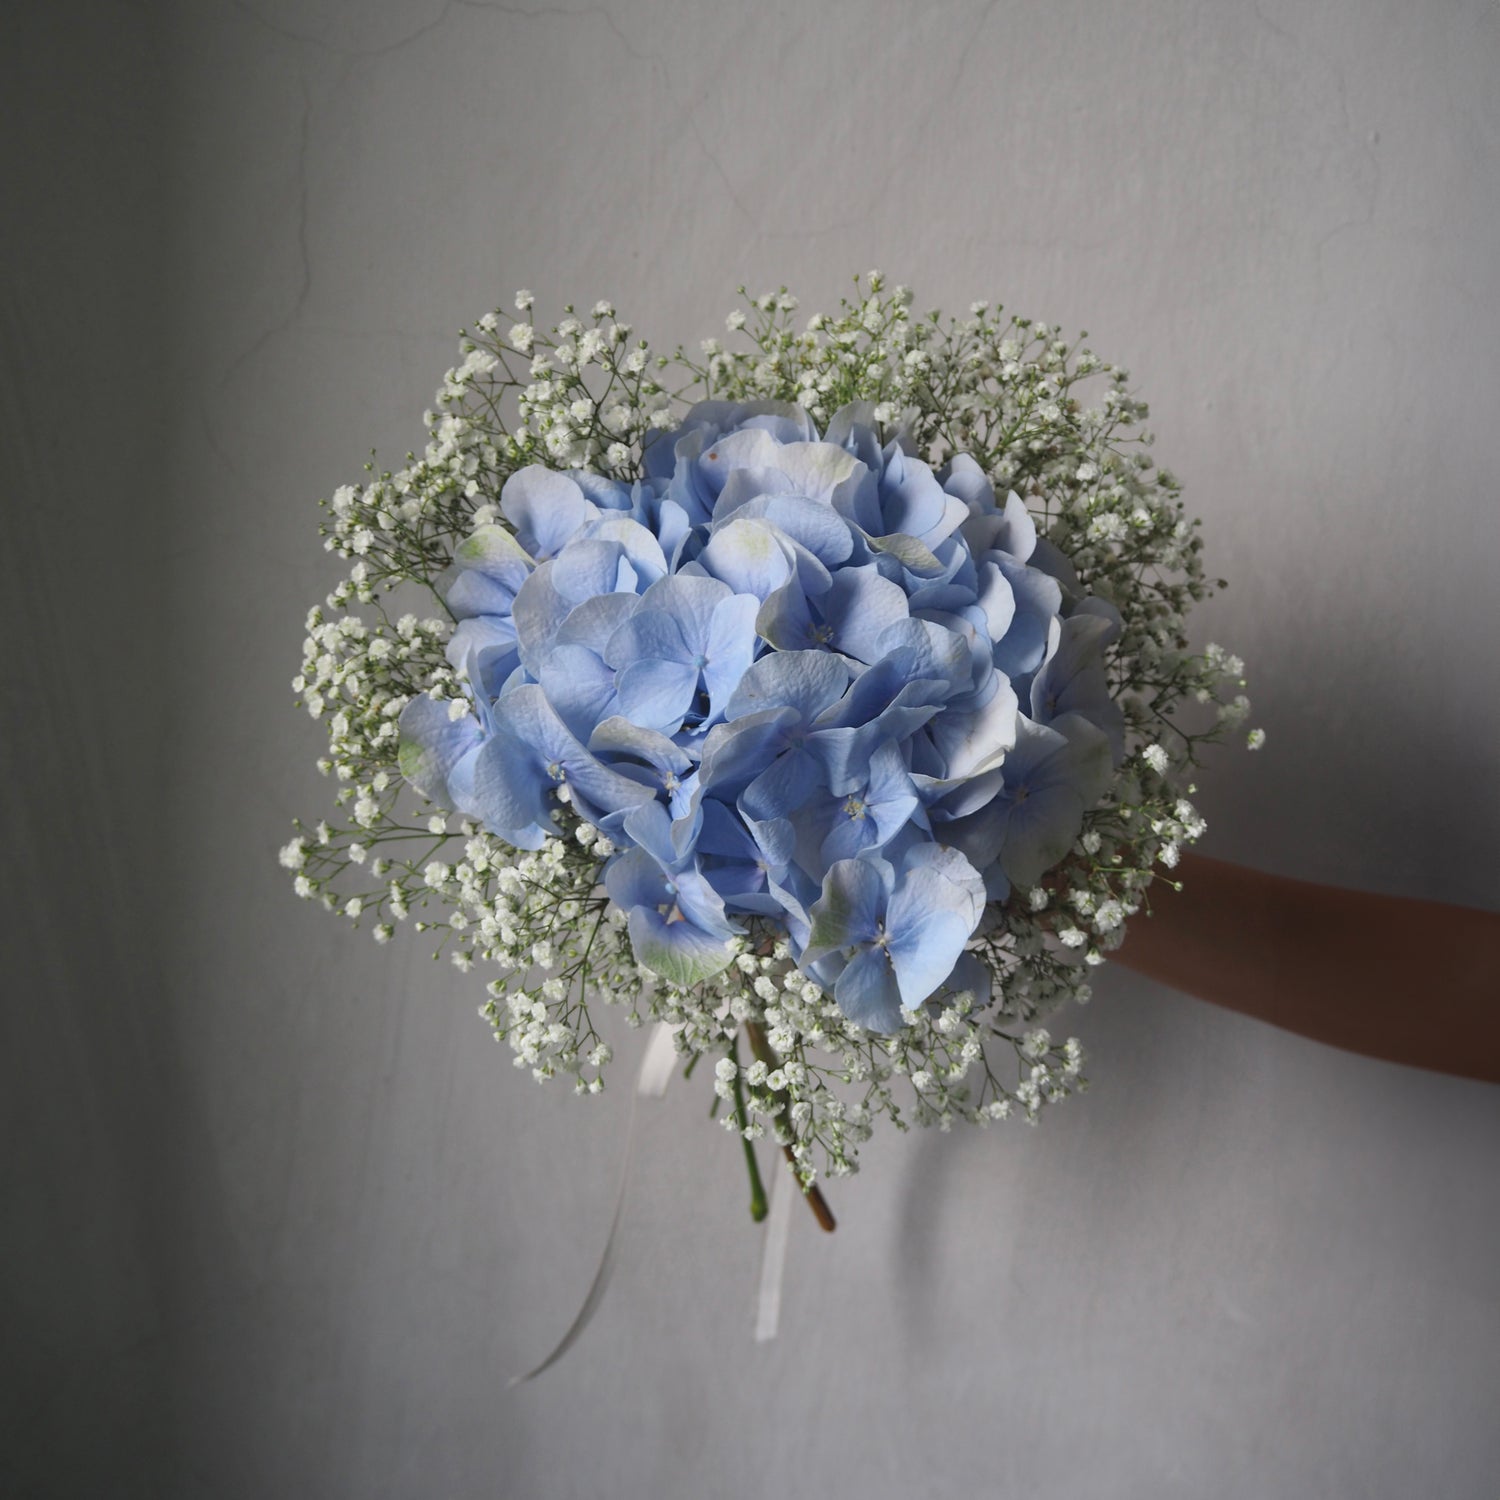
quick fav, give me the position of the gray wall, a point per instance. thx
(280, 1219)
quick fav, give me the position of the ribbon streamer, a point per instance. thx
(773, 1256)
(651, 1082)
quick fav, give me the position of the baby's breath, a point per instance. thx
(1043, 416)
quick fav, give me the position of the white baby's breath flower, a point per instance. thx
(557, 957)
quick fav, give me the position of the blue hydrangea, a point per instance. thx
(798, 678)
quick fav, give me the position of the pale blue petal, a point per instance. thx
(588, 567)
(807, 681)
(971, 743)
(633, 878)
(673, 528)
(923, 955)
(735, 753)
(850, 423)
(816, 470)
(1037, 601)
(743, 487)
(701, 904)
(539, 612)
(869, 993)
(1018, 537)
(431, 743)
(997, 599)
(579, 687)
(730, 648)
(783, 786)
(526, 714)
(545, 508)
(509, 790)
(849, 909)
(650, 825)
(912, 554)
(1042, 829)
(749, 448)
(859, 606)
(472, 593)
(484, 650)
(966, 889)
(812, 524)
(657, 694)
(607, 494)
(749, 556)
(847, 839)
(617, 738)
(634, 540)
(774, 840)
(934, 653)
(912, 502)
(787, 622)
(648, 635)
(594, 621)
(492, 551)
(966, 481)
(690, 600)
(678, 951)
(598, 790)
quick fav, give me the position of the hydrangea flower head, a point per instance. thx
(797, 679)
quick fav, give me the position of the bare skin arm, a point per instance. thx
(1413, 982)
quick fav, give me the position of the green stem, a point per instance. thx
(758, 1209)
(764, 1051)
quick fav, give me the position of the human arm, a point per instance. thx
(1414, 982)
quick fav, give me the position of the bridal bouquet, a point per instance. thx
(825, 695)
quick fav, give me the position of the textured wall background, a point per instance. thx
(280, 1218)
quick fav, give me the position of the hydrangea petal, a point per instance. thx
(812, 524)
(807, 681)
(508, 791)
(431, 742)
(852, 903)
(579, 687)
(593, 622)
(544, 508)
(859, 607)
(647, 635)
(539, 613)
(783, 786)
(869, 992)
(657, 694)
(923, 953)
(735, 753)
(1041, 829)
(730, 648)
(677, 951)
(748, 556)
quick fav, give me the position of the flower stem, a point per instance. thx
(758, 1209)
(767, 1054)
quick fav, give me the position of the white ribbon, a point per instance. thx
(651, 1082)
(773, 1256)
